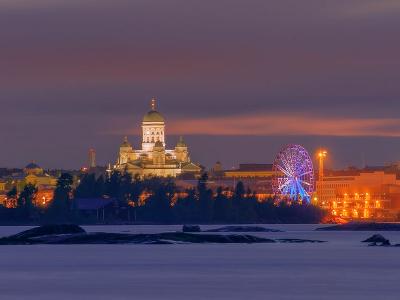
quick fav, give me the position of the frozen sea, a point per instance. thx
(342, 268)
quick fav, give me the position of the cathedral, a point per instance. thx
(153, 159)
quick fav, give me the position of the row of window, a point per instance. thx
(335, 185)
(152, 140)
(157, 133)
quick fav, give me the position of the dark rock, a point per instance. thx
(243, 229)
(161, 238)
(363, 227)
(123, 238)
(298, 241)
(377, 240)
(48, 230)
(191, 228)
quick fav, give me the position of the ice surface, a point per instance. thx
(343, 268)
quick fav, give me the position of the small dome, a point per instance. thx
(126, 143)
(32, 165)
(181, 143)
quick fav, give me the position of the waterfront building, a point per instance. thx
(359, 194)
(153, 159)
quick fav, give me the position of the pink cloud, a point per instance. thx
(276, 124)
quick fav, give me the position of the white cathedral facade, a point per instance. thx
(153, 159)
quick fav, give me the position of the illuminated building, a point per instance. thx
(256, 177)
(154, 159)
(43, 197)
(250, 171)
(2, 186)
(34, 174)
(31, 174)
(359, 194)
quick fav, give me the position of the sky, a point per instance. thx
(238, 79)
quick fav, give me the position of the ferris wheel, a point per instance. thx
(293, 174)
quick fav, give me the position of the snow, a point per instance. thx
(343, 268)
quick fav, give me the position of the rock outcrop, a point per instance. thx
(48, 230)
(299, 241)
(63, 234)
(363, 227)
(191, 228)
(243, 229)
(73, 234)
(377, 240)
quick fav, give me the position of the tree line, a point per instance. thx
(155, 200)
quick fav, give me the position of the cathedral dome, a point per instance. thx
(33, 169)
(32, 166)
(153, 115)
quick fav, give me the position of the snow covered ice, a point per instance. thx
(343, 268)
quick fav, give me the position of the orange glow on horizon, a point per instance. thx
(273, 124)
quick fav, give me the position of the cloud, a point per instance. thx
(366, 8)
(278, 124)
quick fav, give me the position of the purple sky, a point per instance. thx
(239, 79)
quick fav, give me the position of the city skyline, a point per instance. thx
(237, 83)
(186, 149)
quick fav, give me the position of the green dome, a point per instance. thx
(32, 166)
(125, 143)
(153, 116)
(181, 143)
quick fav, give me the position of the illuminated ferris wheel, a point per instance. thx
(293, 174)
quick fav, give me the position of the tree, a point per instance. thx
(158, 206)
(12, 193)
(222, 206)
(238, 203)
(86, 187)
(202, 183)
(187, 208)
(113, 184)
(124, 189)
(136, 190)
(60, 208)
(99, 187)
(25, 201)
(206, 201)
(239, 190)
